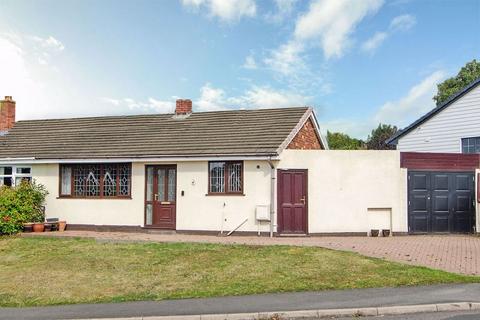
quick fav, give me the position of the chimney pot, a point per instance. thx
(183, 106)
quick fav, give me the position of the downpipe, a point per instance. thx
(272, 194)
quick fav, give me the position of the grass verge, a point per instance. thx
(47, 271)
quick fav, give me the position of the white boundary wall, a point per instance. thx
(349, 191)
(352, 191)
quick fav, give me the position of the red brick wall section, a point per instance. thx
(7, 114)
(183, 106)
(306, 138)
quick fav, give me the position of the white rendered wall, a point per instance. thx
(342, 185)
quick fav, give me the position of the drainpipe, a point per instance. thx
(272, 195)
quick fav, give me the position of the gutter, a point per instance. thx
(33, 160)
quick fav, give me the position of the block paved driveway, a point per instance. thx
(453, 253)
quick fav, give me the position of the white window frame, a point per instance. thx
(16, 175)
(467, 138)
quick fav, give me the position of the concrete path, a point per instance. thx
(453, 253)
(464, 315)
(358, 298)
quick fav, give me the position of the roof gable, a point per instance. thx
(433, 112)
(234, 132)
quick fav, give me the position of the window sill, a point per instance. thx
(95, 198)
(225, 194)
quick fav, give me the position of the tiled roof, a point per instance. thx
(237, 132)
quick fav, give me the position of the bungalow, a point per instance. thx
(167, 171)
(266, 171)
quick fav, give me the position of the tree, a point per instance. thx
(377, 139)
(342, 141)
(469, 73)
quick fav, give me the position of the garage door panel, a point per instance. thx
(420, 182)
(463, 203)
(462, 222)
(440, 222)
(419, 223)
(441, 202)
(462, 182)
(440, 182)
(420, 203)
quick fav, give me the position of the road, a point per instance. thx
(334, 299)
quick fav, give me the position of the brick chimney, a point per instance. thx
(183, 107)
(7, 114)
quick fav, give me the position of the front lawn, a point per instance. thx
(45, 271)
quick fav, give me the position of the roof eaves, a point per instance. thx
(434, 111)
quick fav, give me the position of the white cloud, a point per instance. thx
(149, 106)
(44, 48)
(213, 99)
(331, 23)
(328, 24)
(398, 24)
(417, 102)
(25, 76)
(225, 10)
(250, 63)
(283, 10)
(265, 97)
(49, 43)
(403, 23)
(287, 59)
(374, 42)
(401, 112)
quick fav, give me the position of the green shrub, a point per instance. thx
(21, 204)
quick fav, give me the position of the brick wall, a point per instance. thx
(306, 138)
(7, 114)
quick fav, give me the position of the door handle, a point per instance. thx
(155, 196)
(303, 199)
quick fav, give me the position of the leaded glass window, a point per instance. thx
(226, 177)
(95, 180)
(171, 184)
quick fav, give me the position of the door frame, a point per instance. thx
(305, 171)
(154, 166)
(430, 172)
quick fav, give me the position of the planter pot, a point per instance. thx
(27, 227)
(38, 227)
(386, 233)
(374, 232)
(48, 227)
(62, 225)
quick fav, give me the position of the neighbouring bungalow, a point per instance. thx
(256, 171)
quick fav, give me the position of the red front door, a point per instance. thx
(292, 202)
(161, 196)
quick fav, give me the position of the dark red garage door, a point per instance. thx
(292, 202)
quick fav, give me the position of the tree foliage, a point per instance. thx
(377, 139)
(342, 141)
(449, 87)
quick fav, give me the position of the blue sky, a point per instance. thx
(357, 62)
